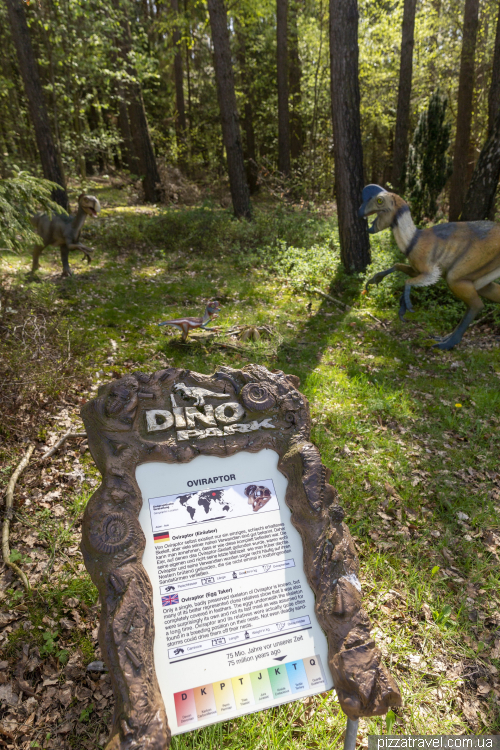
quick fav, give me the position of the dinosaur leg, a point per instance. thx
(405, 302)
(87, 251)
(465, 291)
(403, 267)
(424, 278)
(65, 260)
(37, 251)
(491, 292)
(379, 276)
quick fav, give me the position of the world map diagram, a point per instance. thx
(202, 506)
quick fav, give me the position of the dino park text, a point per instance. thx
(191, 422)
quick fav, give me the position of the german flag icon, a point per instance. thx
(163, 536)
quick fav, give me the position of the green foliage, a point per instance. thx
(307, 266)
(390, 719)
(428, 165)
(86, 713)
(50, 647)
(21, 196)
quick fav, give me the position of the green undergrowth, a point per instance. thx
(409, 433)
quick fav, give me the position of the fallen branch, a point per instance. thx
(9, 501)
(337, 302)
(488, 315)
(67, 436)
(377, 320)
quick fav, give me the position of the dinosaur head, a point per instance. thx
(213, 307)
(377, 200)
(89, 204)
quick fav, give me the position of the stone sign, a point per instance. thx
(227, 579)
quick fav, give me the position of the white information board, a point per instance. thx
(235, 629)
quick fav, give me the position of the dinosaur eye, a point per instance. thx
(379, 200)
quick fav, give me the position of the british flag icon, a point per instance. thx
(166, 601)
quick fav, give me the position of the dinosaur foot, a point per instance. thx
(404, 307)
(447, 342)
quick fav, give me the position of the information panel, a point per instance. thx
(235, 629)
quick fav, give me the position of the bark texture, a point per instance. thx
(282, 80)
(128, 151)
(480, 199)
(36, 104)
(404, 95)
(494, 92)
(180, 118)
(143, 148)
(458, 187)
(229, 114)
(348, 151)
(249, 150)
(294, 78)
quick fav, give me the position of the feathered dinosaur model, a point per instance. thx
(64, 231)
(466, 253)
(186, 325)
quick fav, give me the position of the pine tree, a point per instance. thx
(429, 165)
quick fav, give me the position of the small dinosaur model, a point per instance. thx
(186, 325)
(197, 393)
(64, 231)
(466, 253)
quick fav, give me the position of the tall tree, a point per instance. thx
(229, 113)
(47, 150)
(294, 78)
(348, 151)
(143, 148)
(180, 115)
(404, 95)
(494, 93)
(480, 199)
(249, 151)
(458, 186)
(282, 77)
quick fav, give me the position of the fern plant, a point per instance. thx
(21, 196)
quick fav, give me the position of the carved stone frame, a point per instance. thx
(113, 541)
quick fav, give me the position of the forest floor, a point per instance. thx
(410, 433)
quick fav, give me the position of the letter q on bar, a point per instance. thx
(159, 419)
(237, 409)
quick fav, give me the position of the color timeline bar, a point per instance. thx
(243, 693)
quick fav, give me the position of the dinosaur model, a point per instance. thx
(197, 393)
(64, 231)
(186, 325)
(466, 253)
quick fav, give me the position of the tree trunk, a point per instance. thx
(36, 104)
(143, 148)
(180, 119)
(128, 151)
(404, 95)
(458, 185)
(295, 77)
(348, 151)
(480, 198)
(249, 151)
(229, 114)
(282, 76)
(494, 93)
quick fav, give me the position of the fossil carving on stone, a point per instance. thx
(137, 419)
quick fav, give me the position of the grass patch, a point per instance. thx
(409, 433)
